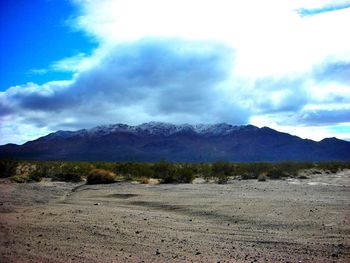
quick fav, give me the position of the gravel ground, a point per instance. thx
(243, 221)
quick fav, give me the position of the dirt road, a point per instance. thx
(244, 221)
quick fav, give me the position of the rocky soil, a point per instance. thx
(243, 221)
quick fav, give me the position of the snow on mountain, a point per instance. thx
(152, 128)
(154, 142)
(155, 128)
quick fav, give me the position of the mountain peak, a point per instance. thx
(154, 141)
(165, 128)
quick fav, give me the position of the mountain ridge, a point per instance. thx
(154, 141)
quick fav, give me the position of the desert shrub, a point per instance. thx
(68, 171)
(162, 167)
(8, 168)
(131, 170)
(304, 165)
(108, 166)
(248, 176)
(82, 169)
(276, 173)
(255, 169)
(204, 169)
(100, 176)
(332, 166)
(144, 180)
(145, 170)
(174, 173)
(36, 176)
(262, 177)
(289, 168)
(251, 170)
(68, 177)
(41, 170)
(19, 179)
(165, 171)
(222, 167)
(27, 178)
(124, 169)
(303, 177)
(221, 178)
(185, 174)
(221, 171)
(316, 172)
(23, 171)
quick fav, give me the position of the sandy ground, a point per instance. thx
(244, 221)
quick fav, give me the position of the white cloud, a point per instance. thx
(306, 132)
(270, 37)
(284, 66)
(76, 63)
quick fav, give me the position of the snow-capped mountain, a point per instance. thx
(154, 128)
(153, 141)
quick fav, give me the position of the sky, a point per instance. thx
(73, 64)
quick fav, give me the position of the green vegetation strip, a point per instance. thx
(166, 172)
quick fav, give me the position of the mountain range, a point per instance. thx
(154, 141)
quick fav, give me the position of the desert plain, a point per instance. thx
(290, 220)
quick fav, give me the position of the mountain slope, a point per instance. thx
(186, 143)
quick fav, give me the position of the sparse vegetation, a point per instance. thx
(262, 177)
(20, 179)
(164, 171)
(27, 178)
(68, 177)
(222, 171)
(174, 173)
(221, 178)
(100, 176)
(303, 177)
(8, 168)
(145, 180)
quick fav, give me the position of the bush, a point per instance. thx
(204, 169)
(252, 170)
(68, 177)
(248, 176)
(222, 178)
(185, 174)
(174, 173)
(19, 179)
(8, 168)
(144, 180)
(36, 176)
(303, 177)
(130, 170)
(332, 166)
(26, 172)
(165, 171)
(262, 177)
(100, 176)
(222, 168)
(288, 168)
(276, 173)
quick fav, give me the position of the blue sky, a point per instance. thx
(71, 64)
(34, 34)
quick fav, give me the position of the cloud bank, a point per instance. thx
(197, 62)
